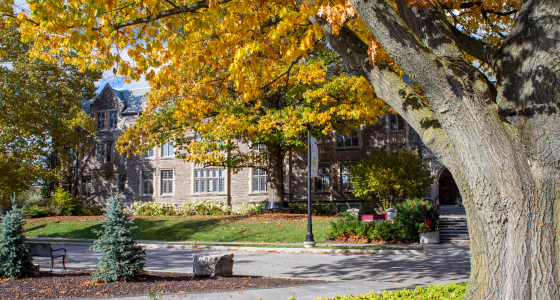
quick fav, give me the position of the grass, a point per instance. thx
(283, 229)
(451, 291)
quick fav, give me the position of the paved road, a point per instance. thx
(346, 273)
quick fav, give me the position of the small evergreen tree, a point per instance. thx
(390, 178)
(122, 258)
(15, 259)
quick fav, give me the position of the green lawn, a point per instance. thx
(227, 229)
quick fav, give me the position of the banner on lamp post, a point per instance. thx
(314, 157)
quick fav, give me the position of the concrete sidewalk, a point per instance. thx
(346, 273)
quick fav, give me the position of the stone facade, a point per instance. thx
(145, 178)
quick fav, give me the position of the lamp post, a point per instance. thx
(309, 241)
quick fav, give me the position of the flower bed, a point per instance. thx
(413, 217)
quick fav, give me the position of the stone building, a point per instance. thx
(159, 176)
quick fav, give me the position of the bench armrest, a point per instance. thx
(53, 250)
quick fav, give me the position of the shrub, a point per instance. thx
(411, 216)
(154, 209)
(451, 291)
(317, 209)
(15, 259)
(121, 258)
(206, 208)
(84, 210)
(248, 209)
(187, 209)
(390, 178)
(63, 203)
(37, 211)
(348, 224)
(385, 231)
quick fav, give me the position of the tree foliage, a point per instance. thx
(391, 178)
(121, 258)
(41, 109)
(15, 259)
(498, 139)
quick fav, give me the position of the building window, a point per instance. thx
(209, 180)
(86, 186)
(323, 179)
(346, 176)
(343, 208)
(100, 120)
(112, 119)
(100, 153)
(166, 182)
(348, 140)
(147, 182)
(150, 153)
(259, 180)
(122, 182)
(109, 152)
(396, 123)
(167, 150)
(259, 147)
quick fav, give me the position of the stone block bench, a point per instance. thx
(213, 265)
(46, 250)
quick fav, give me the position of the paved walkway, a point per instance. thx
(346, 273)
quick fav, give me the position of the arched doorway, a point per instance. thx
(448, 190)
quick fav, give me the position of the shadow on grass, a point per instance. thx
(226, 229)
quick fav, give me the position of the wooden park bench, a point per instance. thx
(46, 250)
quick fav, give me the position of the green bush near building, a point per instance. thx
(388, 179)
(413, 217)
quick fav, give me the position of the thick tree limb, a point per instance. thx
(392, 89)
(444, 39)
(167, 13)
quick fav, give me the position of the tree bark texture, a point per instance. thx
(502, 144)
(274, 181)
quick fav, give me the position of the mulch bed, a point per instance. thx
(360, 239)
(79, 283)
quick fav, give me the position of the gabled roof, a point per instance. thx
(133, 99)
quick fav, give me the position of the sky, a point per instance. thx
(118, 83)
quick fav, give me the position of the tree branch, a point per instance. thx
(167, 13)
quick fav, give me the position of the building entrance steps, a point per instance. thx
(453, 225)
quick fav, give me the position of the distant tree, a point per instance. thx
(391, 178)
(41, 110)
(121, 258)
(15, 258)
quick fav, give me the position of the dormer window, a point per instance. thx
(113, 120)
(100, 117)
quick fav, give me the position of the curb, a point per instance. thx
(425, 252)
(290, 250)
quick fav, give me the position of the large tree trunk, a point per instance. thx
(501, 145)
(275, 174)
